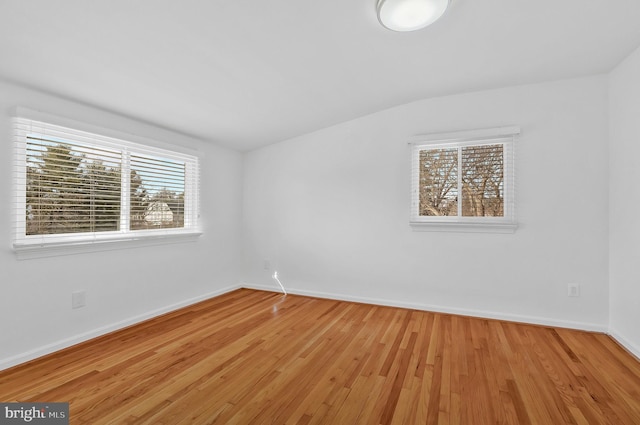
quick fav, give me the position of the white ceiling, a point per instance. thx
(246, 73)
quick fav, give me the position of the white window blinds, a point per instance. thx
(75, 187)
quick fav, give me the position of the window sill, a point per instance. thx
(463, 227)
(41, 248)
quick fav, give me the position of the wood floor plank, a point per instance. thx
(251, 357)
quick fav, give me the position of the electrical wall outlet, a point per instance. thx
(78, 299)
(574, 290)
(267, 265)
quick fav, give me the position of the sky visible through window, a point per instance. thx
(74, 187)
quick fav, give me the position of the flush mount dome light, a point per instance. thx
(410, 15)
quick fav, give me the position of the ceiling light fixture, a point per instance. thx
(410, 15)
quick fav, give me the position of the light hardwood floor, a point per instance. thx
(251, 357)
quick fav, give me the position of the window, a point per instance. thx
(74, 187)
(464, 181)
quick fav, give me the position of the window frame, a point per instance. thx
(505, 136)
(34, 246)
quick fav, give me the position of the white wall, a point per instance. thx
(330, 210)
(624, 199)
(122, 286)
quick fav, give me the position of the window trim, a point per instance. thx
(500, 135)
(35, 246)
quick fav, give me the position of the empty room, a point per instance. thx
(320, 212)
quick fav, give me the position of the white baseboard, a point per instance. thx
(76, 339)
(625, 343)
(591, 327)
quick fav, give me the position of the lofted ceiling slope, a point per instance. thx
(247, 73)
